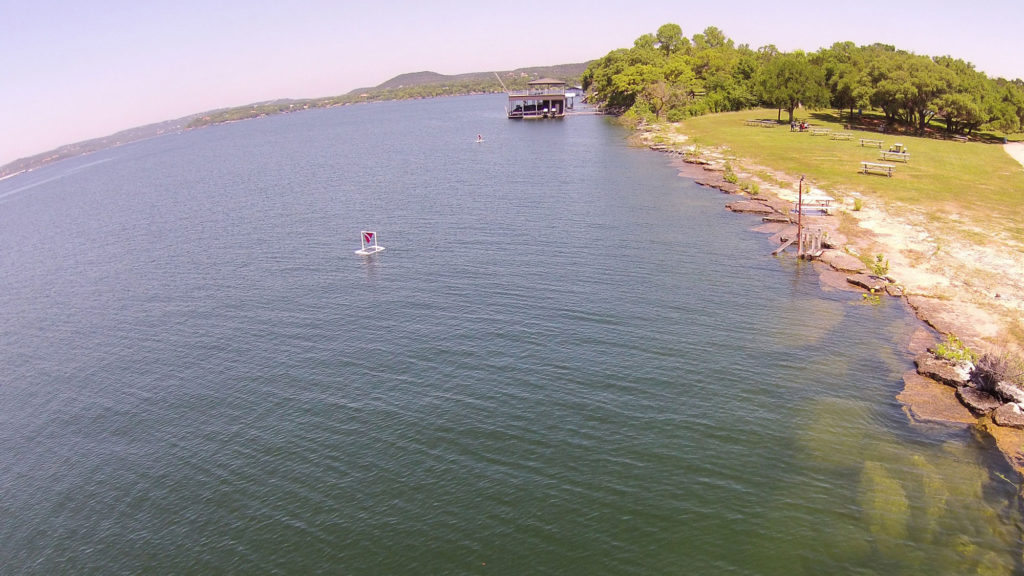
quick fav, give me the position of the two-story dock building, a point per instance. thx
(545, 98)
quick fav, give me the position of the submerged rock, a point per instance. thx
(926, 401)
(884, 506)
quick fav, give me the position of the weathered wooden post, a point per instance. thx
(799, 219)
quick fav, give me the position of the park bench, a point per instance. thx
(842, 136)
(876, 168)
(890, 155)
(819, 131)
(870, 142)
(960, 138)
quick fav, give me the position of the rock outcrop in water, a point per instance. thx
(978, 402)
(1004, 403)
(943, 371)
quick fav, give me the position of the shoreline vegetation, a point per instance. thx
(969, 289)
(910, 152)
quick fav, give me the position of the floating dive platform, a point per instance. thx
(368, 242)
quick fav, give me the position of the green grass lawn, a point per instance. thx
(968, 186)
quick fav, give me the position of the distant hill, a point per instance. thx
(571, 73)
(414, 79)
(95, 144)
(403, 86)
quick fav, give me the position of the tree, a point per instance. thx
(658, 95)
(646, 42)
(789, 81)
(1009, 113)
(670, 39)
(712, 38)
(631, 83)
(844, 66)
(908, 87)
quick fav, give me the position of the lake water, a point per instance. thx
(569, 360)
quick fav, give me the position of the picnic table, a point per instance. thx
(819, 205)
(960, 138)
(761, 123)
(842, 136)
(870, 142)
(877, 168)
(892, 155)
(819, 131)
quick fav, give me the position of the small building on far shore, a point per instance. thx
(545, 98)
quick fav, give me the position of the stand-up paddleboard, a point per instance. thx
(479, 138)
(368, 240)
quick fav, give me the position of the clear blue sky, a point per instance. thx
(73, 70)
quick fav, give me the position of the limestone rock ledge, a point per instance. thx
(868, 282)
(842, 261)
(750, 207)
(1009, 416)
(941, 370)
(978, 402)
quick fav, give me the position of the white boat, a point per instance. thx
(368, 240)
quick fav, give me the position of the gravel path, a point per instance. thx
(1016, 150)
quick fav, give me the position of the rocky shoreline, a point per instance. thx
(938, 391)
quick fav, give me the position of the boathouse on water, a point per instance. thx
(545, 98)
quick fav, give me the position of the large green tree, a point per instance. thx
(844, 67)
(670, 39)
(790, 80)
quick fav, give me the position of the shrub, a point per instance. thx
(729, 175)
(880, 267)
(675, 115)
(858, 204)
(991, 369)
(954, 350)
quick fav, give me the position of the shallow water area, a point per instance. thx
(568, 360)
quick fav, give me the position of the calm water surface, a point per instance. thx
(569, 360)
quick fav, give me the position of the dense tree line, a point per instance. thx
(669, 76)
